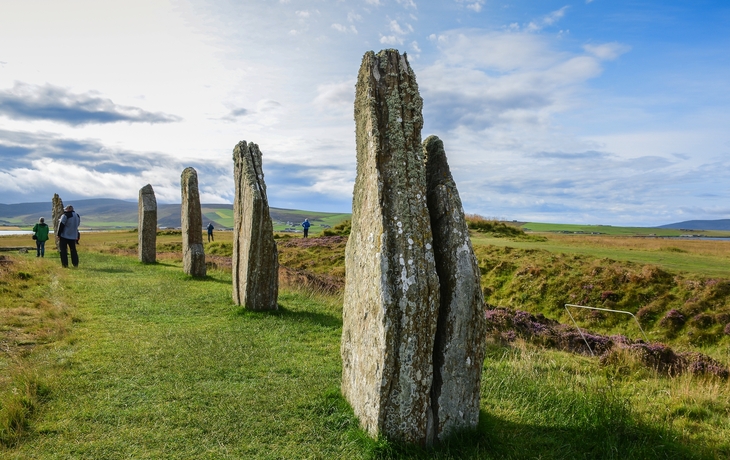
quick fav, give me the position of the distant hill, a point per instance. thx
(108, 213)
(720, 224)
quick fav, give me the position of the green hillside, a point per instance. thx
(616, 230)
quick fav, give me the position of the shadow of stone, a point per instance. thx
(320, 319)
(496, 438)
(113, 270)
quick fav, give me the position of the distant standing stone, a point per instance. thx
(392, 290)
(255, 256)
(56, 213)
(460, 336)
(192, 225)
(147, 225)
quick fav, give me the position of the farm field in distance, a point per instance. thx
(118, 358)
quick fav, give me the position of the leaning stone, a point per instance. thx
(56, 213)
(192, 225)
(255, 257)
(460, 335)
(391, 288)
(147, 225)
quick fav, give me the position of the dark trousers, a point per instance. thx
(65, 245)
(40, 247)
(210, 237)
(306, 232)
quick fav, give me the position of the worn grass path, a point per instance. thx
(164, 366)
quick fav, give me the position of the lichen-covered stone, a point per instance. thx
(255, 257)
(460, 335)
(147, 225)
(391, 291)
(56, 213)
(192, 224)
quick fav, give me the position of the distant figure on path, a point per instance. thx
(306, 226)
(210, 232)
(40, 231)
(68, 235)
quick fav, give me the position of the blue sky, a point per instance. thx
(596, 112)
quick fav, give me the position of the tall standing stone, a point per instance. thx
(255, 257)
(56, 213)
(391, 291)
(460, 348)
(147, 225)
(192, 224)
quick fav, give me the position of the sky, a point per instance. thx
(608, 112)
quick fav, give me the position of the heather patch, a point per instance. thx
(508, 325)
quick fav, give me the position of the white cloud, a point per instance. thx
(415, 47)
(303, 14)
(476, 6)
(390, 40)
(335, 97)
(397, 29)
(547, 20)
(407, 3)
(607, 51)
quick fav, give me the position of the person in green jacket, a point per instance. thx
(40, 231)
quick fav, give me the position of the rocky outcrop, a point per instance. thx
(56, 213)
(147, 225)
(255, 257)
(192, 224)
(459, 348)
(391, 288)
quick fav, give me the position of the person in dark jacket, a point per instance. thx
(210, 232)
(306, 226)
(68, 236)
(40, 231)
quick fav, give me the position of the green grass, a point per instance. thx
(159, 365)
(614, 231)
(668, 257)
(164, 366)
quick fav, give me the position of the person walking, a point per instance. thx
(306, 226)
(210, 232)
(68, 236)
(40, 235)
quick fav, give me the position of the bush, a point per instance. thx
(342, 229)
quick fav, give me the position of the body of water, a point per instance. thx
(16, 232)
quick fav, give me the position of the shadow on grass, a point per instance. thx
(207, 279)
(111, 270)
(497, 438)
(320, 319)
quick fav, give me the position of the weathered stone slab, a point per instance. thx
(147, 225)
(460, 335)
(56, 213)
(255, 256)
(192, 224)
(391, 291)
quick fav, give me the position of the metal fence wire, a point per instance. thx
(599, 309)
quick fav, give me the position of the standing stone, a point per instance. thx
(391, 288)
(56, 213)
(255, 258)
(460, 335)
(147, 225)
(192, 224)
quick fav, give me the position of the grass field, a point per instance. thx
(616, 231)
(145, 362)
